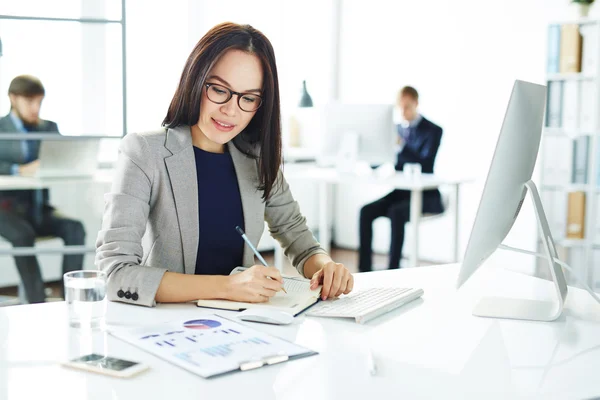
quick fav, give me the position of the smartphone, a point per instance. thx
(106, 365)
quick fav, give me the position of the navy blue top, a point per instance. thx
(220, 248)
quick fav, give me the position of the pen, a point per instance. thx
(371, 362)
(249, 243)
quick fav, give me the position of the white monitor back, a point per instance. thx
(341, 123)
(511, 168)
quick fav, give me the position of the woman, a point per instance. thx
(168, 231)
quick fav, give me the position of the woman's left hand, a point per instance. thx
(335, 278)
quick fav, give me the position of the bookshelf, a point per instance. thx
(569, 152)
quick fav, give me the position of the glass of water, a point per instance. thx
(85, 295)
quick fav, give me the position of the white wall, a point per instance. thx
(300, 32)
(463, 57)
(79, 64)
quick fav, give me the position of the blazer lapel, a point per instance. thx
(252, 203)
(181, 167)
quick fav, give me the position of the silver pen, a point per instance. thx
(249, 243)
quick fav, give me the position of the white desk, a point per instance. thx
(416, 186)
(30, 183)
(432, 348)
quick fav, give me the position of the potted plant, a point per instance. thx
(582, 7)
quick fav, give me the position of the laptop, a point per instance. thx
(65, 158)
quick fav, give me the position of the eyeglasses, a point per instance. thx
(218, 94)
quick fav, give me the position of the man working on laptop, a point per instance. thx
(419, 139)
(27, 214)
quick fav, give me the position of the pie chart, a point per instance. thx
(201, 324)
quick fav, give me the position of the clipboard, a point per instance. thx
(212, 345)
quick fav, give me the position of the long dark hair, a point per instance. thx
(265, 127)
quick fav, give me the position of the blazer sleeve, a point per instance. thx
(288, 226)
(119, 244)
(431, 145)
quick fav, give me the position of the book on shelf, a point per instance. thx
(570, 106)
(555, 207)
(557, 163)
(588, 106)
(553, 66)
(596, 234)
(589, 53)
(598, 167)
(554, 104)
(576, 259)
(580, 159)
(576, 215)
(570, 49)
(596, 269)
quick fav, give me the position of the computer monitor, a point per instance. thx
(68, 157)
(371, 125)
(508, 181)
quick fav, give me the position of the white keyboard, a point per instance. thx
(364, 305)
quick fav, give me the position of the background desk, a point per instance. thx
(8, 183)
(77, 197)
(432, 348)
(416, 186)
(25, 183)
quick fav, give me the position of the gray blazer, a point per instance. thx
(150, 222)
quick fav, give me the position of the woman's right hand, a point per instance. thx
(253, 285)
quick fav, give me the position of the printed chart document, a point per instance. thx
(298, 298)
(212, 345)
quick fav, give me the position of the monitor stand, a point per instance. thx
(533, 310)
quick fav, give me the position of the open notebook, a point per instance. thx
(298, 298)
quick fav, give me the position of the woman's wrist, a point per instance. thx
(212, 286)
(223, 287)
(315, 263)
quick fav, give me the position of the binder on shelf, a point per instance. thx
(589, 53)
(588, 100)
(570, 49)
(596, 269)
(576, 260)
(554, 104)
(557, 163)
(555, 206)
(570, 106)
(598, 167)
(576, 215)
(580, 159)
(553, 66)
(597, 233)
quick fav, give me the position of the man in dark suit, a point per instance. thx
(420, 140)
(27, 214)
